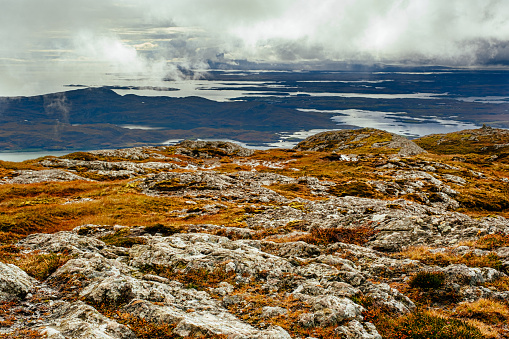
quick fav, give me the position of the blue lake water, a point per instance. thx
(407, 103)
(22, 156)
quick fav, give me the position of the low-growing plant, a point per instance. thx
(35, 264)
(41, 266)
(501, 284)
(355, 235)
(427, 280)
(145, 329)
(163, 229)
(426, 256)
(355, 188)
(121, 239)
(22, 334)
(491, 241)
(85, 156)
(420, 324)
(9, 237)
(486, 310)
(197, 278)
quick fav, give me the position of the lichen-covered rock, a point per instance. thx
(62, 242)
(122, 289)
(270, 312)
(133, 153)
(78, 320)
(112, 169)
(195, 250)
(239, 186)
(355, 140)
(209, 149)
(388, 297)
(472, 276)
(14, 282)
(88, 269)
(202, 320)
(31, 177)
(356, 330)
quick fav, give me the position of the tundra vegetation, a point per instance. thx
(352, 234)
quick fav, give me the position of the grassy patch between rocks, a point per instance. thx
(420, 324)
(426, 256)
(485, 310)
(35, 264)
(355, 235)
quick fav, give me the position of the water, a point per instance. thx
(396, 122)
(406, 97)
(22, 156)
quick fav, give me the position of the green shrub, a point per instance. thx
(427, 280)
(120, 239)
(162, 229)
(421, 325)
(85, 156)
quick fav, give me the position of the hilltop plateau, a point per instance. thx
(357, 234)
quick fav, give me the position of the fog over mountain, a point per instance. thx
(54, 42)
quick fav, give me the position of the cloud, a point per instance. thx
(59, 41)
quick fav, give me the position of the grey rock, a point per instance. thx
(62, 241)
(78, 320)
(270, 312)
(356, 330)
(190, 147)
(14, 282)
(31, 177)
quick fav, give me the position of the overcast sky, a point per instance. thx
(49, 42)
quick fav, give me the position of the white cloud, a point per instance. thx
(41, 38)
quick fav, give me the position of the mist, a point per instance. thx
(47, 44)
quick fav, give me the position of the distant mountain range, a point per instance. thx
(93, 118)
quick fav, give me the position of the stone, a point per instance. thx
(78, 320)
(356, 330)
(14, 282)
(271, 312)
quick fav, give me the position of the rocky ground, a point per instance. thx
(355, 234)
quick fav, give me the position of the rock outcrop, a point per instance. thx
(227, 243)
(362, 140)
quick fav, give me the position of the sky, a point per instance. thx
(46, 44)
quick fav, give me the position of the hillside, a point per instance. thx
(485, 140)
(352, 234)
(100, 118)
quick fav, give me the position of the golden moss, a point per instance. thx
(121, 238)
(35, 264)
(424, 255)
(491, 241)
(486, 310)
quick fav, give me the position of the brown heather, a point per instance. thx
(39, 207)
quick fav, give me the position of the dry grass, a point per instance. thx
(501, 284)
(423, 254)
(36, 264)
(292, 191)
(22, 334)
(355, 235)
(485, 310)
(197, 278)
(417, 325)
(492, 241)
(121, 238)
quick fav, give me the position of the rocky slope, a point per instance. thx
(354, 234)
